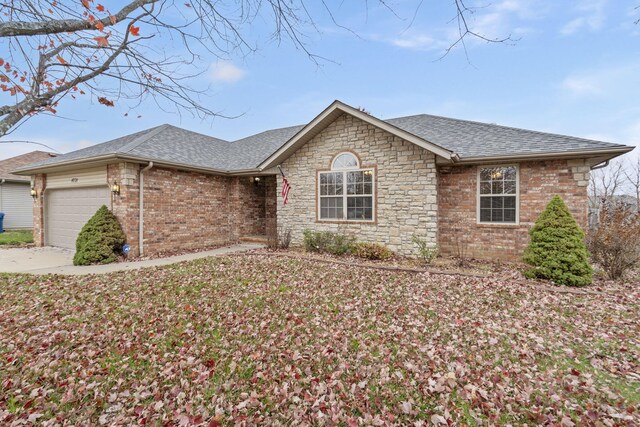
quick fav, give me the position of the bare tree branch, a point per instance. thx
(464, 30)
(632, 175)
(606, 182)
(58, 49)
(29, 142)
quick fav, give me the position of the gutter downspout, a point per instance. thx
(141, 210)
(600, 165)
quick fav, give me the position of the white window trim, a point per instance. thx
(345, 195)
(498, 224)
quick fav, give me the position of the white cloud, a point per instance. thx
(495, 22)
(591, 17)
(418, 42)
(606, 82)
(225, 71)
(583, 85)
(499, 21)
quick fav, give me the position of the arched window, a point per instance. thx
(345, 161)
(346, 192)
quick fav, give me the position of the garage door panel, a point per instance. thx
(68, 210)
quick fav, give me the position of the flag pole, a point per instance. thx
(280, 169)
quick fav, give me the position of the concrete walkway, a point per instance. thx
(49, 260)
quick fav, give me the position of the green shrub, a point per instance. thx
(557, 250)
(100, 240)
(375, 251)
(426, 252)
(327, 241)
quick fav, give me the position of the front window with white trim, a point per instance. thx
(346, 192)
(498, 194)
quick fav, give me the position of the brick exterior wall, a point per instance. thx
(249, 201)
(270, 205)
(38, 210)
(182, 210)
(539, 182)
(405, 177)
(125, 205)
(187, 210)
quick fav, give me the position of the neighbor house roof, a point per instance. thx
(13, 163)
(452, 139)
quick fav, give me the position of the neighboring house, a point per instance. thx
(455, 183)
(15, 190)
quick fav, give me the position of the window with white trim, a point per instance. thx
(498, 194)
(346, 192)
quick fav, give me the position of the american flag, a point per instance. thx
(285, 189)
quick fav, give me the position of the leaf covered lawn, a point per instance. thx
(252, 339)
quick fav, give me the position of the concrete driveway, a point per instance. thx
(50, 260)
(25, 260)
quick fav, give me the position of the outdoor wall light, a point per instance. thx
(115, 188)
(256, 179)
(34, 193)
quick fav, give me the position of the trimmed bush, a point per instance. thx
(557, 250)
(326, 241)
(374, 251)
(100, 240)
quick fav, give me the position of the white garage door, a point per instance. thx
(68, 210)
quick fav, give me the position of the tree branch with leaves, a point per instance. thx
(58, 49)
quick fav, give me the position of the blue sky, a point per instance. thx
(573, 68)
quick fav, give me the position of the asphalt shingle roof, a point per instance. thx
(109, 147)
(13, 163)
(176, 145)
(466, 138)
(249, 152)
(474, 139)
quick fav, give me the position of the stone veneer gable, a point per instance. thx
(406, 186)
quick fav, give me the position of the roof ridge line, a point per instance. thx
(142, 139)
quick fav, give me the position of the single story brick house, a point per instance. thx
(15, 190)
(455, 183)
